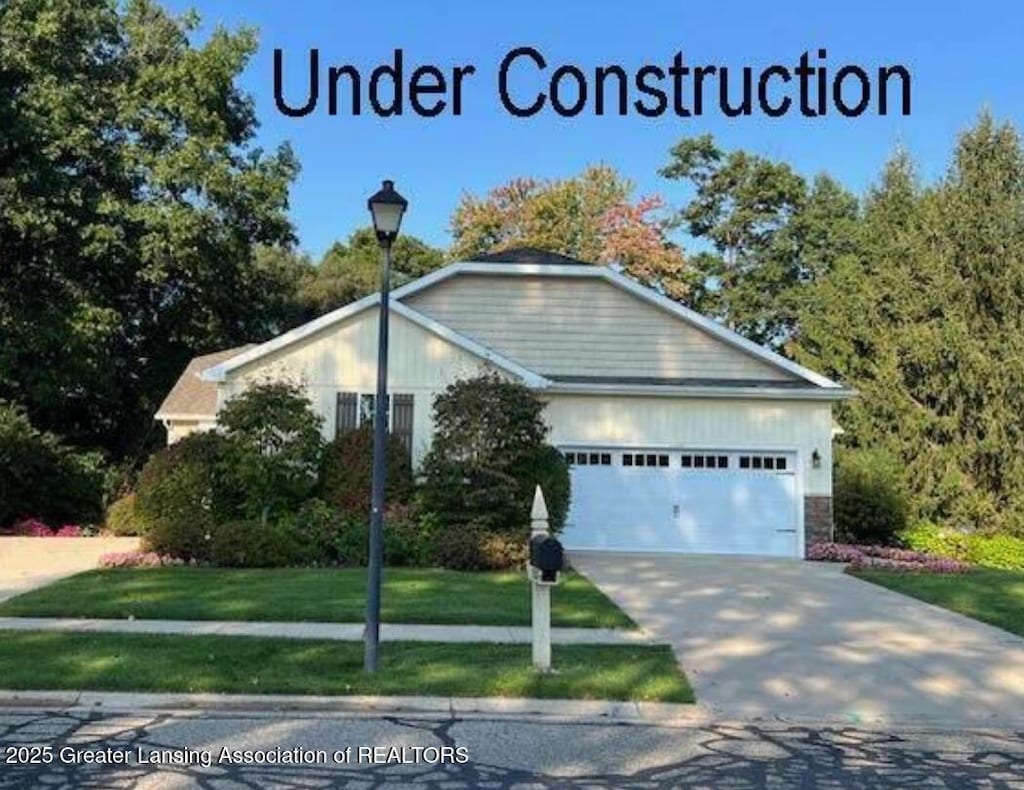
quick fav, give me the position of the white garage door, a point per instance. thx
(701, 501)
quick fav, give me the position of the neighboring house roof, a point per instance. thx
(192, 398)
(539, 264)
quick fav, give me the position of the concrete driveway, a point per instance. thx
(26, 563)
(804, 641)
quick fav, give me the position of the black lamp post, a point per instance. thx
(387, 208)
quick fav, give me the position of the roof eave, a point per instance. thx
(695, 391)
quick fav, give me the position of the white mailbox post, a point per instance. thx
(541, 591)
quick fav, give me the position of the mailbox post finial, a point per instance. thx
(540, 507)
(539, 513)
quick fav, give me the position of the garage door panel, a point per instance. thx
(685, 510)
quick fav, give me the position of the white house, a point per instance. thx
(682, 435)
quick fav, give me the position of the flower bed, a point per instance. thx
(884, 558)
(35, 528)
(137, 559)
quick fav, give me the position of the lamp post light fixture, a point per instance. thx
(387, 208)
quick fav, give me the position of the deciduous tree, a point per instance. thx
(591, 217)
(132, 196)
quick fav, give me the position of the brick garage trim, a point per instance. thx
(818, 524)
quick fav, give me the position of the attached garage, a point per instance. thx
(711, 501)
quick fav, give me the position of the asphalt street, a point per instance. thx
(498, 753)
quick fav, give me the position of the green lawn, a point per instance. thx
(165, 663)
(992, 596)
(410, 595)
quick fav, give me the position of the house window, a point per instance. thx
(355, 410)
(627, 459)
(704, 461)
(570, 458)
(347, 412)
(367, 408)
(401, 419)
(768, 463)
(606, 459)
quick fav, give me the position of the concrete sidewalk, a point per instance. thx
(346, 632)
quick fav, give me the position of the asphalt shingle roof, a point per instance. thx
(191, 395)
(530, 255)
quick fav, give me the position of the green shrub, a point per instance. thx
(870, 499)
(548, 469)
(471, 548)
(279, 435)
(990, 551)
(185, 490)
(253, 543)
(317, 526)
(407, 539)
(122, 518)
(996, 551)
(346, 473)
(487, 455)
(42, 478)
(352, 543)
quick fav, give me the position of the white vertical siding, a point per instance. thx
(576, 326)
(700, 423)
(343, 358)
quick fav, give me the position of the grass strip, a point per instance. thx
(40, 660)
(993, 596)
(410, 595)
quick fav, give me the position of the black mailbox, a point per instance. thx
(547, 556)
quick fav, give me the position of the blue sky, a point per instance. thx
(963, 57)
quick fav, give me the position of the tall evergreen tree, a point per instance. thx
(926, 319)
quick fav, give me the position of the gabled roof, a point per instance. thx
(548, 268)
(192, 398)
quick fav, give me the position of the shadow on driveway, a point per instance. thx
(802, 639)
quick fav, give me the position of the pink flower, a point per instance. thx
(137, 559)
(884, 557)
(70, 531)
(32, 528)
